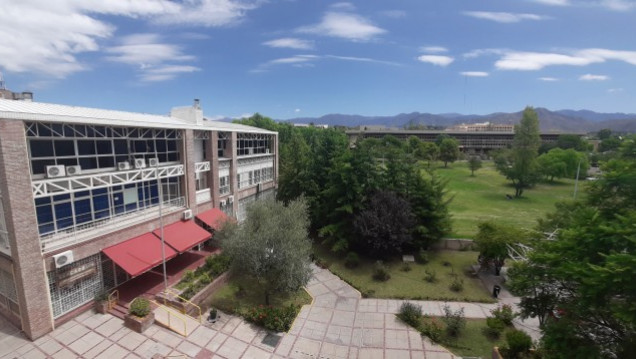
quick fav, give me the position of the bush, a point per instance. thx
(322, 263)
(215, 265)
(430, 276)
(139, 307)
(406, 267)
(494, 327)
(101, 296)
(455, 321)
(272, 318)
(504, 313)
(188, 276)
(352, 260)
(421, 257)
(410, 314)
(518, 343)
(432, 329)
(380, 272)
(457, 285)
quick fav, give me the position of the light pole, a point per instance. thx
(163, 243)
(576, 182)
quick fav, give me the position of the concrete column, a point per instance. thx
(232, 150)
(212, 154)
(30, 275)
(188, 161)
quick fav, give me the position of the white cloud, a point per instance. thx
(433, 49)
(619, 5)
(362, 59)
(344, 25)
(309, 60)
(548, 79)
(297, 110)
(482, 52)
(590, 77)
(474, 74)
(504, 17)
(165, 72)
(293, 59)
(210, 13)
(394, 14)
(529, 61)
(554, 2)
(615, 90)
(291, 43)
(346, 6)
(615, 5)
(436, 60)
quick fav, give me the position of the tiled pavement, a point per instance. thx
(338, 324)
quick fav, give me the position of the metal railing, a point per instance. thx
(91, 230)
(113, 299)
(174, 293)
(171, 312)
(203, 195)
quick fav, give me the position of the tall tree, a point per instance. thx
(474, 163)
(520, 163)
(448, 150)
(272, 245)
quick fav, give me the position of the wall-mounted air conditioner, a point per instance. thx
(123, 166)
(73, 170)
(55, 171)
(63, 259)
(187, 214)
(153, 162)
(197, 176)
(267, 150)
(140, 163)
(230, 199)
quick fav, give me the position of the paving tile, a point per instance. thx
(334, 351)
(64, 354)
(231, 325)
(201, 336)
(24, 349)
(232, 348)
(371, 353)
(85, 343)
(34, 353)
(216, 342)
(343, 318)
(51, 346)
(397, 354)
(338, 335)
(320, 315)
(167, 338)
(396, 339)
(346, 304)
(245, 332)
(368, 337)
(98, 349)
(110, 327)
(369, 320)
(439, 355)
(113, 351)
(189, 349)
(131, 340)
(417, 354)
(285, 345)
(256, 353)
(415, 340)
(305, 348)
(95, 320)
(391, 321)
(150, 348)
(353, 352)
(313, 330)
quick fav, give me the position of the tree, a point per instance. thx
(559, 163)
(448, 150)
(611, 143)
(574, 142)
(604, 134)
(427, 151)
(474, 163)
(519, 164)
(272, 245)
(492, 242)
(385, 226)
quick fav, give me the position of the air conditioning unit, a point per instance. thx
(230, 199)
(63, 259)
(197, 176)
(73, 170)
(153, 162)
(187, 214)
(55, 171)
(140, 163)
(123, 166)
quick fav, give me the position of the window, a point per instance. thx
(224, 185)
(254, 144)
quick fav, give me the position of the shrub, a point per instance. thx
(101, 296)
(215, 265)
(430, 276)
(432, 329)
(205, 279)
(410, 314)
(322, 263)
(278, 319)
(518, 343)
(457, 285)
(139, 307)
(421, 257)
(504, 313)
(494, 327)
(380, 272)
(405, 267)
(188, 276)
(352, 260)
(455, 321)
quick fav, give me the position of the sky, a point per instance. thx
(308, 58)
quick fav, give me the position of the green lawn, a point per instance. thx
(411, 284)
(483, 197)
(471, 342)
(242, 293)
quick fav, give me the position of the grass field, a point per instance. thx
(483, 197)
(472, 342)
(411, 284)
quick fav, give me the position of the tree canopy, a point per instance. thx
(448, 150)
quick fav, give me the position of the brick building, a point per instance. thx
(82, 189)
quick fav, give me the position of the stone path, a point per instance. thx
(338, 324)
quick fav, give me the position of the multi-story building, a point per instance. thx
(85, 191)
(482, 127)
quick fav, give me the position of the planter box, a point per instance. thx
(138, 324)
(101, 306)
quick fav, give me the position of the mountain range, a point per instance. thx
(581, 121)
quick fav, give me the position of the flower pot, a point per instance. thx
(139, 324)
(101, 306)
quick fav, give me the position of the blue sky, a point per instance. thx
(307, 58)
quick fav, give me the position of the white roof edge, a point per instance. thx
(45, 112)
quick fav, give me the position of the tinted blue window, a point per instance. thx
(44, 214)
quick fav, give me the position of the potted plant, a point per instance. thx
(140, 316)
(214, 315)
(101, 302)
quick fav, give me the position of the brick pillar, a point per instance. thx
(188, 161)
(232, 150)
(212, 154)
(30, 275)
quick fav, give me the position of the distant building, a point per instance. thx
(482, 127)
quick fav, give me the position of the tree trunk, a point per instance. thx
(445, 164)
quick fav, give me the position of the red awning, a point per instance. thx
(213, 218)
(183, 235)
(139, 254)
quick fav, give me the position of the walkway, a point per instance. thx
(338, 324)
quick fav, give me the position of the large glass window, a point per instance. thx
(254, 143)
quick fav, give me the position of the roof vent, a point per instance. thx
(197, 104)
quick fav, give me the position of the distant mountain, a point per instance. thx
(581, 121)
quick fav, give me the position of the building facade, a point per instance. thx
(76, 181)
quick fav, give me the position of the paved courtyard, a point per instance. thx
(338, 324)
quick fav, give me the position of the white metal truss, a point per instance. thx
(93, 131)
(518, 251)
(202, 166)
(201, 135)
(255, 163)
(223, 164)
(48, 187)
